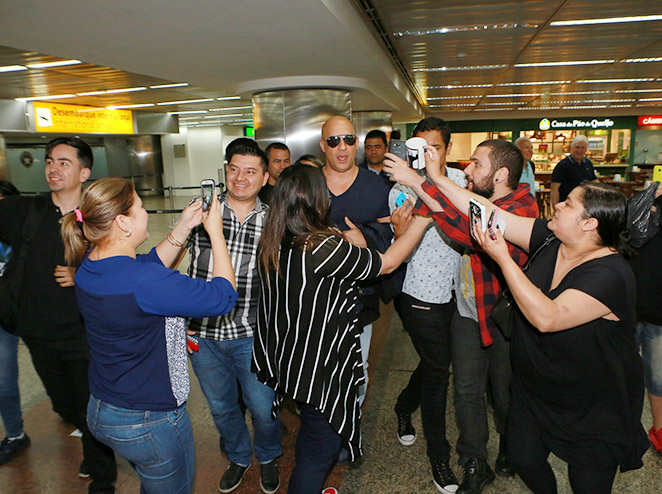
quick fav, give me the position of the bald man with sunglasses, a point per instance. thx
(359, 198)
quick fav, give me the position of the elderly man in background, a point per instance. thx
(528, 171)
(571, 170)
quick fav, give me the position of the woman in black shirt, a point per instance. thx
(307, 344)
(577, 388)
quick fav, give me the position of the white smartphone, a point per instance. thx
(477, 212)
(208, 187)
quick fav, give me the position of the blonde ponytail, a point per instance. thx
(100, 203)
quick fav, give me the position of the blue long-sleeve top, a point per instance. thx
(125, 302)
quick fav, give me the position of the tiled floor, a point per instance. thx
(49, 466)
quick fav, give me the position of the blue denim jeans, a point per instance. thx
(649, 337)
(159, 445)
(10, 400)
(218, 366)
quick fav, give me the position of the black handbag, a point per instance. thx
(11, 280)
(503, 312)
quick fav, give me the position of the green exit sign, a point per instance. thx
(249, 131)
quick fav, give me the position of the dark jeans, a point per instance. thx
(10, 399)
(428, 326)
(62, 366)
(528, 456)
(317, 448)
(477, 370)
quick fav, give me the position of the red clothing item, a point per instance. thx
(488, 279)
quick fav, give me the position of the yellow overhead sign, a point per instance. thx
(59, 118)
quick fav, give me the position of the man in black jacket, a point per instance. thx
(49, 321)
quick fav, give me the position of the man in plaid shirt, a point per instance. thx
(223, 361)
(479, 353)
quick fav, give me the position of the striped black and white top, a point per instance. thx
(307, 344)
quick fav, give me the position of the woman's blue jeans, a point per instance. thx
(10, 400)
(159, 445)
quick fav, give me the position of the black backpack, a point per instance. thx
(11, 280)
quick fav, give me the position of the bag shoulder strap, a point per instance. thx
(547, 241)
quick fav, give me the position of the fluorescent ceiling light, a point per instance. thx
(186, 102)
(569, 62)
(607, 20)
(12, 68)
(495, 109)
(126, 90)
(658, 90)
(226, 98)
(461, 29)
(532, 83)
(91, 93)
(450, 106)
(607, 81)
(650, 99)
(47, 65)
(515, 95)
(610, 100)
(579, 92)
(503, 103)
(466, 67)
(434, 98)
(460, 86)
(42, 98)
(620, 106)
(539, 108)
(584, 107)
(185, 112)
(232, 108)
(227, 116)
(122, 107)
(642, 60)
(165, 86)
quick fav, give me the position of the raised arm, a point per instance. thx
(213, 222)
(518, 228)
(171, 248)
(404, 244)
(570, 309)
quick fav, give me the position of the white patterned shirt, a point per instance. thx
(434, 265)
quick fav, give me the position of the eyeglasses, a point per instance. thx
(333, 141)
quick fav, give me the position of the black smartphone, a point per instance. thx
(398, 148)
(208, 187)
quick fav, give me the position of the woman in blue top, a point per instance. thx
(138, 368)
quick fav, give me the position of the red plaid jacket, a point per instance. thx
(488, 279)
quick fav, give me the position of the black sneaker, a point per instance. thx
(232, 477)
(83, 472)
(443, 477)
(269, 481)
(9, 448)
(502, 466)
(477, 474)
(406, 431)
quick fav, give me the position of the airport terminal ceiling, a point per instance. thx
(456, 59)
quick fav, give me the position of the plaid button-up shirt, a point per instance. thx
(242, 240)
(488, 279)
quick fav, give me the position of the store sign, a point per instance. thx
(59, 118)
(649, 120)
(546, 124)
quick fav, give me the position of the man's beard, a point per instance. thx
(486, 188)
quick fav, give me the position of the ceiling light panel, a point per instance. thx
(48, 65)
(607, 20)
(185, 102)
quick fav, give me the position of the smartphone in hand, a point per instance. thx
(208, 187)
(398, 148)
(477, 214)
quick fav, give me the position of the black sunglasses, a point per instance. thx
(333, 141)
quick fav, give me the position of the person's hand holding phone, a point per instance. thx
(401, 218)
(192, 215)
(212, 219)
(400, 171)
